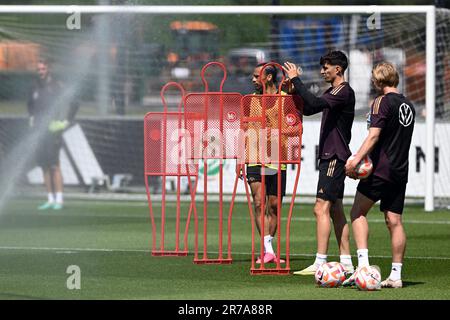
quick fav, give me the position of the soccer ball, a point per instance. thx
(368, 278)
(330, 275)
(364, 167)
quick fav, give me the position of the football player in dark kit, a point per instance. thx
(47, 114)
(338, 107)
(391, 128)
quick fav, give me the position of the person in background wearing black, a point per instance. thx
(46, 113)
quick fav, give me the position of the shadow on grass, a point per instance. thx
(248, 259)
(411, 283)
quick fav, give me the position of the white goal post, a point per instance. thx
(429, 11)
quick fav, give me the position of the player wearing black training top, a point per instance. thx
(338, 107)
(392, 120)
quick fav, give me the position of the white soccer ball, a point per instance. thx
(368, 278)
(364, 167)
(330, 275)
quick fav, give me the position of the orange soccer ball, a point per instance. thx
(330, 275)
(364, 167)
(368, 278)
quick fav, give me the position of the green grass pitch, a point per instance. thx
(111, 241)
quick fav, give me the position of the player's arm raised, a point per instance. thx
(312, 104)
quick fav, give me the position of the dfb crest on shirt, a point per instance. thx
(405, 115)
(291, 120)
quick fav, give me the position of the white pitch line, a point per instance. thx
(209, 252)
(382, 221)
(414, 221)
(73, 249)
(383, 257)
(304, 219)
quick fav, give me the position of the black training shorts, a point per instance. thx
(392, 195)
(271, 179)
(48, 151)
(331, 179)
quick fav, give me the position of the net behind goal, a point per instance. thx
(117, 59)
